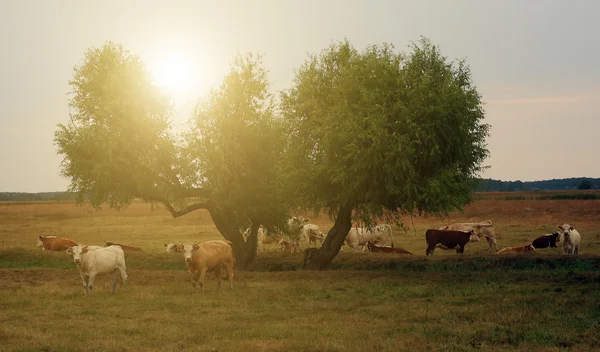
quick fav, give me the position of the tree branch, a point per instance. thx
(177, 213)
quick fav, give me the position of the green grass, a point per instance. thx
(369, 302)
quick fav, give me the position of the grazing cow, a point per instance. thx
(53, 243)
(309, 253)
(311, 233)
(173, 247)
(106, 260)
(449, 239)
(546, 241)
(208, 256)
(125, 247)
(374, 248)
(522, 249)
(571, 239)
(295, 225)
(482, 229)
(358, 236)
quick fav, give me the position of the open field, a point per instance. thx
(477, 301)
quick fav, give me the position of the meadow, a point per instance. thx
(478, 301)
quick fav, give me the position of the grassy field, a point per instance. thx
(477, 301)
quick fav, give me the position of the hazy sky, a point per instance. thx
(535, 62)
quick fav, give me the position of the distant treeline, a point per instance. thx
(490, 185)
(30, 197)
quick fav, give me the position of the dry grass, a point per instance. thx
(371, 302)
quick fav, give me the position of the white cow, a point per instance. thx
(295, 225)
(570, 238)
(482, 229)
(358, 236)
(208, 256)
(261, 237)
(311, 233)
(105, 260)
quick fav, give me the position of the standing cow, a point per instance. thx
(482, 229)
(295, 225)
(449, 239)
(571, 239)
(208, 256)
(105, 260)
(358, 236)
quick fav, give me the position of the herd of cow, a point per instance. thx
(216, 255)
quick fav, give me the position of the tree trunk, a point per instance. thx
(227, 227)
(252, 243)
(322, 258)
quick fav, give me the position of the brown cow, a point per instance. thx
(449, 239)
(523, 249)
(53, 243)
(208, 256)
(372, 247)
(125, 247)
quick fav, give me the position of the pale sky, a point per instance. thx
(535, 63)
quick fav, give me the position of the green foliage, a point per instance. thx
(576, 196)
(236, 143)
(117, 145)
(376, 128)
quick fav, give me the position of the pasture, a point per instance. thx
(368, 302)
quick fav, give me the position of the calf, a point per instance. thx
(125, 247)
(482, 229)
(522, 249)
(284, 245)
(571, 239)
(448, 238)
(108, 260)
(546, 241)
(208, 256)
(374, 248)
(53, 243)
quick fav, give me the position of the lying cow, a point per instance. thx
(173, 247)
(571, 239)
(125, 247)
(372, 247)
(53, 243)
(208, 256)
(482, 229)
(522, 249)
(546, 241)
(448, 238)
(105, 260)
(358, 236)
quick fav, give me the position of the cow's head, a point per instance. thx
(171, 247)
(296, 223)
(529, 248)
(472, 236)
(566, 228)
(77, 252)
(188, 250)
(40, 243)
(108, 243)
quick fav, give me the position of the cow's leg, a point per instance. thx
(218, 276)
(192, 278)
(461, 249)
(84, 278)
(91, 283)
(123, 277)
(496, 245)
(229, 270)
(576, 250)
(201, 279)
(113, 278)
(430, 249)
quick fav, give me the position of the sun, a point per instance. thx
(174, 73)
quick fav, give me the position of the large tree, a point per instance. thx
(119, 145)
(377, 133)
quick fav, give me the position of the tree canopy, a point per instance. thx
(377, 130)
(357, 133)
